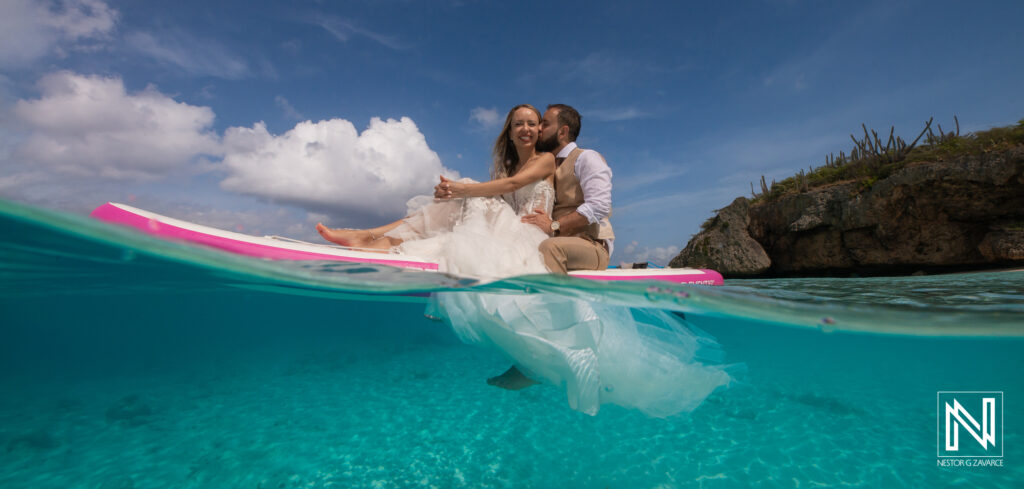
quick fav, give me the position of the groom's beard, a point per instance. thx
(547, 145)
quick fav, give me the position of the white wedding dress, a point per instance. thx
(480, 237)
(639, 358)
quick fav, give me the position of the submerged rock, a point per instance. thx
(130, 410)
(38, 440)
(827, 403)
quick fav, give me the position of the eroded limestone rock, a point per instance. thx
(725, 245)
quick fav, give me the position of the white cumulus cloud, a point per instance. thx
(632, 253)
(31, 29)
(330, 165)
(91, 126)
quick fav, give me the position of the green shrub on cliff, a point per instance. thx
(995, 139)
(871, 160)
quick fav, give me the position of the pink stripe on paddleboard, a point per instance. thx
(111, 213)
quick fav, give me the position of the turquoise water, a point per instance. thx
(131, 362)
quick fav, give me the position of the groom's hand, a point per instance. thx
(540, 219)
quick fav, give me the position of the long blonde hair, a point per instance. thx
(506, 158)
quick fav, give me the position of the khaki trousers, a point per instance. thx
(565, 253)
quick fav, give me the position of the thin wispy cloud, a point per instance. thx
(344, 30)
(448, 78)
(292, 46)
(485, 118)
(192, 55)
(287, 108)
(32, 29)
(13, 183)
(598, 69)
(78, 19)
(654, 173)
(661, 204)
(603, 68)
(616, 115)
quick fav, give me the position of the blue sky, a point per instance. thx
(266, 117)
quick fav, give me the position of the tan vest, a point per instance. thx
(569, 196)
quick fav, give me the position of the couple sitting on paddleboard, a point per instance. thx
(552, 215)
(545, 210)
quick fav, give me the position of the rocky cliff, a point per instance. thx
(965, 212)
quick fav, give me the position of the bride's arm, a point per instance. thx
(538, 168)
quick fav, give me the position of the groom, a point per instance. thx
(581, 236)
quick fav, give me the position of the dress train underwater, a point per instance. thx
(645, 359)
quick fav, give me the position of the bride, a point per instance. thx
(598, 353)
(478, 237)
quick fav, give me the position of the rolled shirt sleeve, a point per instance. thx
(595, 178)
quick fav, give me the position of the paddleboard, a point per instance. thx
(277, 248)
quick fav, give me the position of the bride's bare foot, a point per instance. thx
(512, 380)
(345, 237)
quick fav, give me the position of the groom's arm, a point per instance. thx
(570, 223)
(595, 179)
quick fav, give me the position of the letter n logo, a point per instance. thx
(978, 414)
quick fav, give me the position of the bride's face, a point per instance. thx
(524, 128)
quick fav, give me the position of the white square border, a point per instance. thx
(938, 424)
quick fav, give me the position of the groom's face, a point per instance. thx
(547, 140)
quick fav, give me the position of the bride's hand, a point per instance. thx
(443, 190)
(450, 189)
